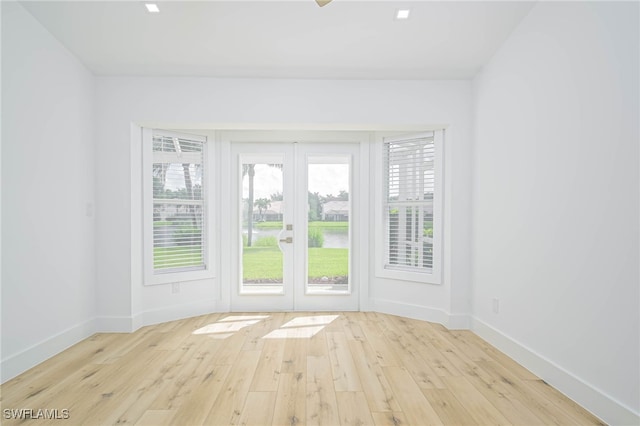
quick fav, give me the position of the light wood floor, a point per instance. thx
(289, 369)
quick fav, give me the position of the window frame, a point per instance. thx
(381, 205)
(151, 276)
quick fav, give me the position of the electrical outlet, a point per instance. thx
(495, 305)
(175, 288)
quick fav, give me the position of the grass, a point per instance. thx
(163, 257)
(266, 242)
(330, 262)
(162, 223)
(312, 225)
(266, 262)
(262, 263)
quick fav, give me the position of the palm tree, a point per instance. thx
(189, 187)
(262, 204)
(250, 171)
(159, 177)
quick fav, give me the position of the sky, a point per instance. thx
(323, 178)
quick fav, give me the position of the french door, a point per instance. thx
(293, 216)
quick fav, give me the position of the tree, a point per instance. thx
(250, 171)
(189, 187)
(262, 204)
(276, 196)
(315, 206)
(159, 178)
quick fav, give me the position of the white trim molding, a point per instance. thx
(18, 363)
(589, 397)
(129, 324)
(420, 312)
(28, 358)
(114, 324)
(152, 276)
(173, 313)
(380, 219)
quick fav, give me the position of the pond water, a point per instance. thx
(336, 239)
(332, 238)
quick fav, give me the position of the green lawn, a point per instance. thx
(312, 225)
(266, 262)
(189, 256)
(261, 262)
(330, 262)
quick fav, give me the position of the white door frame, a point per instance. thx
(304, 300)
(359, 228)
(271, 154)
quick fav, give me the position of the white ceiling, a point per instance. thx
(283, 39)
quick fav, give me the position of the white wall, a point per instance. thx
(448, 303)
(48, 273)
(199, 102)
(555, 202)
(555, 193)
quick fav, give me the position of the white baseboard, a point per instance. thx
(154, 316)
(172, 313)
(459, 322)
(597, 402)
(20, 362)
(114, 325)
(424, 313)
(594, 400)
(28, 358)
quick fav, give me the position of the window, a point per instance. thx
(175, 209)
(411, 203)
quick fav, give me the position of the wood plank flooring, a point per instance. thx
(291, 369)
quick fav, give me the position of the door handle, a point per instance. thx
(288, 240)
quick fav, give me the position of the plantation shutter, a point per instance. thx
(178, 205)
(409, 203)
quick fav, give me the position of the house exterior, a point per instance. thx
(526, 117)
(335, 211)
(272, 214)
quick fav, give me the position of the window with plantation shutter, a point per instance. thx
(411, 202)
(176, 206)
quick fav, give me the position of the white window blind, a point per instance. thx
(179, 208)
(409, 192)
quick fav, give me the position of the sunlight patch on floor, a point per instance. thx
(302, 327)
(227, 326)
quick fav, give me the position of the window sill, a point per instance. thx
(174, 277)
(417, 277)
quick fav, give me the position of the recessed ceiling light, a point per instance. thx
(402, 14)
(152, 7)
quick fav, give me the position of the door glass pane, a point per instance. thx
(328, 236)
(262, 208)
